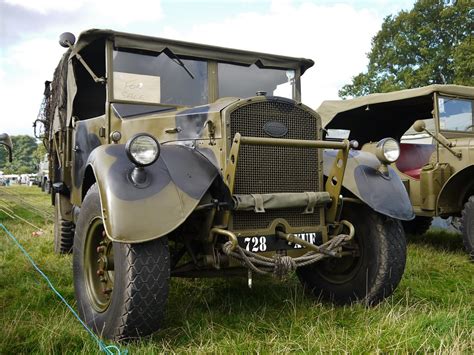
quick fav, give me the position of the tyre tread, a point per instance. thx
(467, 213)
(394, 256)
(146, 290)
(66, 240)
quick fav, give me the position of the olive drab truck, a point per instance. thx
(434, 126)
(176, 159)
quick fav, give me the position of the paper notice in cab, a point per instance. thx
(136, 87)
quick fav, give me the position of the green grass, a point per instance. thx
(431, 311)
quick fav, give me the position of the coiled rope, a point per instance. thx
(282, 265)
(108, 349)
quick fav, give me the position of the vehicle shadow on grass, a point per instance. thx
(197, 307)
(438, 239)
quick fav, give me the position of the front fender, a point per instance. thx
(455, 191)
(384, 194)
(179, 179)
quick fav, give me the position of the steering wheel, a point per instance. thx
(470, 127)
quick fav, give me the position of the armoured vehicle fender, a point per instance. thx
(384, 193)
(176, 183)
(456, 191)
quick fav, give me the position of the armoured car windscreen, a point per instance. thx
(162, 79)
(455, 114)
(242, 81)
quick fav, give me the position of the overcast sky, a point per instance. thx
(335, 34)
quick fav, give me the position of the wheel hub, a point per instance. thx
(99, 266)
(341, 270)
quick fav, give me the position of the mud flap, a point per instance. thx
(178, 180)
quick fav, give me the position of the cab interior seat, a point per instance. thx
(413, 157)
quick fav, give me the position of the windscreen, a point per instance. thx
(455, 114)
(243, 81)
(162, 78)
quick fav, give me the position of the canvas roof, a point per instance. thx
(375, 116)
(331, 108)
(195, 50)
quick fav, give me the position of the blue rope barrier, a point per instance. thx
(108, 349)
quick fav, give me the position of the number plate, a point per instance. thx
(270, 242)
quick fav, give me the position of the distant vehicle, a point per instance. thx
(11, 179)
(6, 141)
(43, 174)
(435, 128)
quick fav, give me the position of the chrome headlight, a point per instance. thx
(142, 149)
(387, 150)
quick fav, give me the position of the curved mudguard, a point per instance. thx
(384, 194)
(178, 180)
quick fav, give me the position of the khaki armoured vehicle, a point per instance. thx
(187, 160)
(6, 141)
(435, 128)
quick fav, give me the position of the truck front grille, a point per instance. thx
(267, 169)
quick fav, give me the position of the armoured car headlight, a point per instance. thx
(387, 150)
(142, 149)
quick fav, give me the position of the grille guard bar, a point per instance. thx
(278, 142)
(335, 177)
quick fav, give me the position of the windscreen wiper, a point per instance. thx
(178, 61)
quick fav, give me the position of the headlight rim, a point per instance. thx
(130, 156)
(380, 151)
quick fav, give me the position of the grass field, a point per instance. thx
(431, 311)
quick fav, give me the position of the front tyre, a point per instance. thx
(121, 289)
(467, 226)
(374, 269)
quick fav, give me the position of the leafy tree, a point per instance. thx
(24, 160)
(430, 44)
(39, 152)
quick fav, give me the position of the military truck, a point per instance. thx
(435, 128)
(176, 159)
(6, 141)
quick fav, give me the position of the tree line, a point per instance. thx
(27, 154)
(430, 44)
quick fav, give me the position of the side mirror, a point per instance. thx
(7, 142)
(419, 126)
(67, 39)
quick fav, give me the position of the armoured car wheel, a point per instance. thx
(418, 226)
(372, 272)
(121, 289)
(63, 230)
(467, 226)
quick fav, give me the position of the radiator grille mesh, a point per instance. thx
(275, 169)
